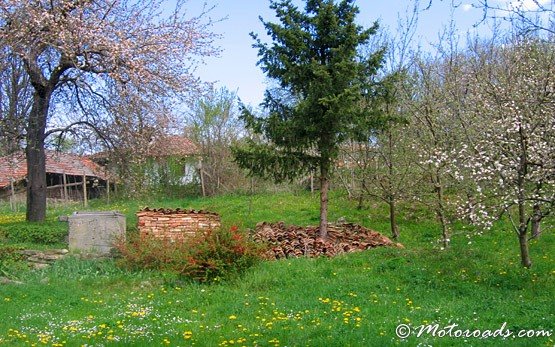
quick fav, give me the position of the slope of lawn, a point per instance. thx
(351, 300)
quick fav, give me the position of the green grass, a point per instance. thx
(351, 300)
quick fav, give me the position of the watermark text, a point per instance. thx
(453, 330)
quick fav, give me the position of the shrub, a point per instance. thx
(206, 257)
(44, 233)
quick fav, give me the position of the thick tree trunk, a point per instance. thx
(324, 187)
(36, 158)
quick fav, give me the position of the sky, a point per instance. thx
(235, 68)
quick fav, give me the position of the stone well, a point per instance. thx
(175, 224)
(95, 232)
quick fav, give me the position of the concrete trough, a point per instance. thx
(95, 232)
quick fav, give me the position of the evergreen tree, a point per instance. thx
(321, 81)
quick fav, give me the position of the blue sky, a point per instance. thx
(236, 68)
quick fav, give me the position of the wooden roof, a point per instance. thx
(14, 167)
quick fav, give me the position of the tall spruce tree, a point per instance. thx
(321, 81)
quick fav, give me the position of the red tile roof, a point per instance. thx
(166, 146)
(15, 166)
(172, 145)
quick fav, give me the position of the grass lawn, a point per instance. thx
(351, 300)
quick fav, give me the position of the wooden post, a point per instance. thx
(64, 182)
(108, 189)
(12, 197)
(311, 182)
(201, 170)
(85, 202)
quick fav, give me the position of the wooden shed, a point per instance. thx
(68, 177)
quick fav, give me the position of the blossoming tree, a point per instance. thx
(512, 161)
(84, 47)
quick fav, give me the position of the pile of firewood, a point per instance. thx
(294, 241)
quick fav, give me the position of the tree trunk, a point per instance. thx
(360, 204)
(393, 218)
(524, 254)
(36, 158)
(523, 225)
(522, 220)
(441, 212)
(324, 187)
(536, 221)
(391, 194)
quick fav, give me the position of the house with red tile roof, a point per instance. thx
(166, 162)
(172, 146)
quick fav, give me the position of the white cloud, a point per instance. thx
(466, 7)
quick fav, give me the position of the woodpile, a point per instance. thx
(294, 241)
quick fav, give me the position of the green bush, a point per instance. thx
(44, 233)
(208, 257)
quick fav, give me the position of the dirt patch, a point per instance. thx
(294, 241)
